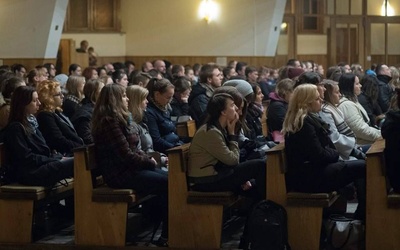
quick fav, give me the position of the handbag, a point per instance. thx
(344, 233)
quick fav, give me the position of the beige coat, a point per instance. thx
(207, 148)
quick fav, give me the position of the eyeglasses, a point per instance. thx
(58, 94)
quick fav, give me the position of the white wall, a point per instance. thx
(160, 27)
(29, 27)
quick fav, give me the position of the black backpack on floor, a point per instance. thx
(266, 227)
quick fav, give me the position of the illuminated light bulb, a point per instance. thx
(208, 10)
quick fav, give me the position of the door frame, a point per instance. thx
(382, 20)
(332, 38)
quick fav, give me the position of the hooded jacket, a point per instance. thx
(276, 112)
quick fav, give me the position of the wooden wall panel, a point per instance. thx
(394, 60)
(257, 61)
(29, 63)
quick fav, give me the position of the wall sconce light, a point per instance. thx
(208, 10)
(387, 9)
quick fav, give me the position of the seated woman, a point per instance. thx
(254, 113)
(74, 95)
(83, 114)
(354, 114)
(340, 134)
(162, 129)
(120, 77)
(368, 98)
(179, 102)
(214, 153)
(277, 108)
(9, 85)
(56, 128)
(391, 133)
(29, 155)
(137, 106)
(313, 161)
(123, 165)
(35, 76)
(90, 73)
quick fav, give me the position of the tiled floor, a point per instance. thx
(232, 231)
(46, 231)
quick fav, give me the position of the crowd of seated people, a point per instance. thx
(130, 113)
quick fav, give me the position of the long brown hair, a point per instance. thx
(109, 106)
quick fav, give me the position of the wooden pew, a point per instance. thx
(383, 213)
(264, 118)
(195, 218)
(18, 203)
(304, 210)
(100, 211)
(186, 129)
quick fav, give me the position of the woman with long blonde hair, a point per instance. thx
(313, 161)
(137, 105)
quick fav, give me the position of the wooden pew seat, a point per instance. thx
(195, 218)
(100, 211)
(17, 191)
(311, 199)
(383, 207)
(304, 210)
(18, 203)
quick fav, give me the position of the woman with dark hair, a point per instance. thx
(26, 149)
(254, 114)
(214, 153)
(162, 129)
(179, 102)
(83, 114)
(120, 77)
(122, 163)
(277, 108)
(9, 85)
(391, 133)
(315, 167)
(354, 114)
(51, 70)
(369, 99)
(56, 128)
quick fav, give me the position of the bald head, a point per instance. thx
(160, 66)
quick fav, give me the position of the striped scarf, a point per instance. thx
(337, 115)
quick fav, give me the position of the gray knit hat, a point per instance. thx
(62, 79)
(241, 85)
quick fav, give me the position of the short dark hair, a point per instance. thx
(240, 65)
